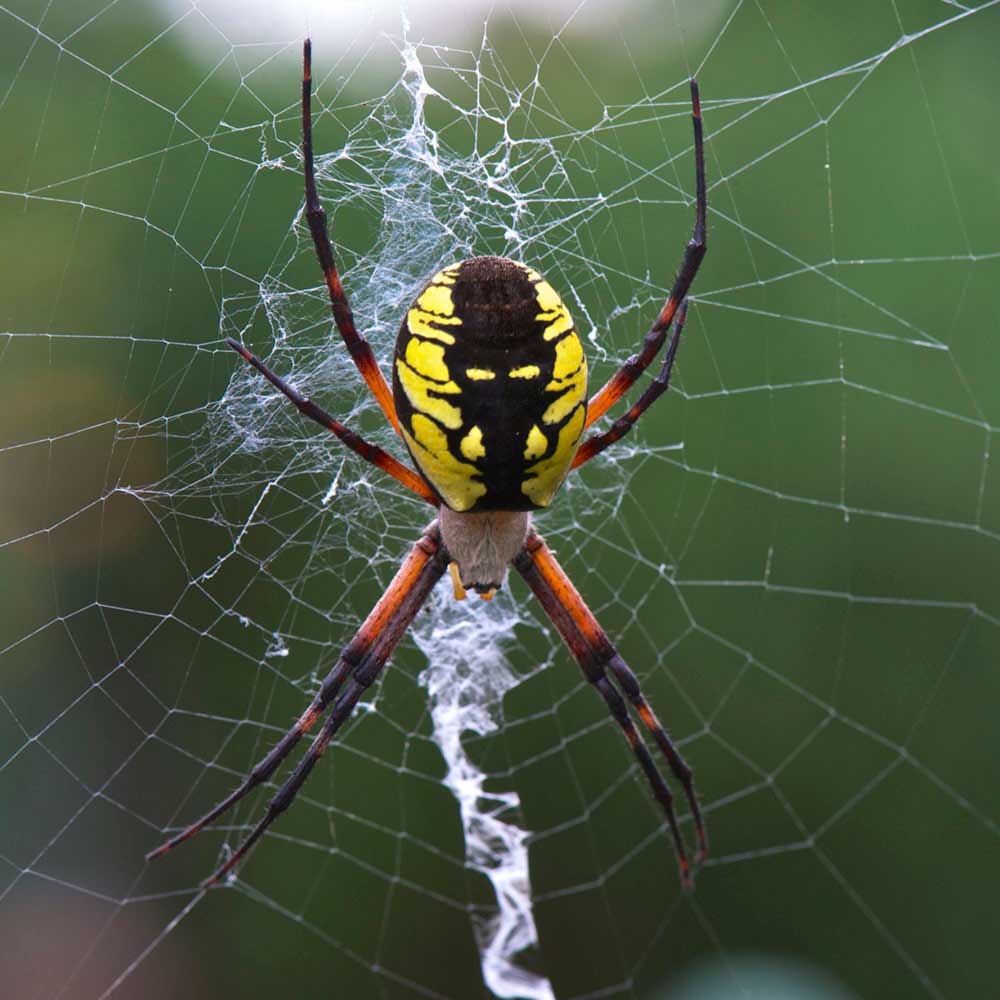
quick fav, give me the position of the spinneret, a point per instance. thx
(490, 386)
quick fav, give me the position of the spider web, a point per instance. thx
(796, 550)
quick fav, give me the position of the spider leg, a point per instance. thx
(626, 376)
(592, 649)
(359, 348)
(369, 452)
(595, 444)
(282, 800)
(360, 663)
(268, 764)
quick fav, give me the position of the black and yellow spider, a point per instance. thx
(489, 393)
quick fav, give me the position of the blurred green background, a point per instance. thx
(797, 552)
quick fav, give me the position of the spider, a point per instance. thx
(489, 394)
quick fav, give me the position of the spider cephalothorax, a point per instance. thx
(490, 396)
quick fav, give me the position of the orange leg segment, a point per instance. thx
(369, 452)
(592, 649)
(596, 443)
(359, 348)
(360, 663)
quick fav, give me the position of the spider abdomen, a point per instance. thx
(490, 385)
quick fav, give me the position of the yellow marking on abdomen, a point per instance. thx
(525, 371)
(437, 299)
(419, 322)
(472, 445)
(537, 444)
(546, 476)
(446, 277)
(574, 393)
(553, 311)
(452, 478)
(558, 322)
(548, 297)
(480, 374)
(569, 379)
(418, 389)
(569, 357)
(427, 359)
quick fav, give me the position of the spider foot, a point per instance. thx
(699, 858)
(215, 879)
(224, 873)
(169, 845)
